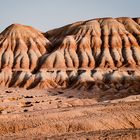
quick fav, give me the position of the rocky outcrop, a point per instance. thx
(106, 50)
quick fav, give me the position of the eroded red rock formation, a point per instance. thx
(21, 47)
(104, 49)
(96, 43)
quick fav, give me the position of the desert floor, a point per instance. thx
(68, 114)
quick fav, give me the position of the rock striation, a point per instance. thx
(21, 47)
(104, 49)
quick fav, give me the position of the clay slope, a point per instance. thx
(21, 47)
(106, 50)
(104, 43)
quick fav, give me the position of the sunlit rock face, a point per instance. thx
(106, 50)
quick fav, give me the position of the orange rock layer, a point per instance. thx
(106, 49)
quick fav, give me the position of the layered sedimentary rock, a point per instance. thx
(103, 43)
(106, 50)
(20, 49)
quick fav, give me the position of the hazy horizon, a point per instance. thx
(45, 15)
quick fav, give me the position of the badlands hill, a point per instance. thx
(84, 81)
(21, 47)
(79, 54)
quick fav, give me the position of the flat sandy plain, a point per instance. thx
(69, 114)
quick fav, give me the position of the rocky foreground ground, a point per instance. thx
(68, 114)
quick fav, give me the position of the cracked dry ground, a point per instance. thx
(68, 114)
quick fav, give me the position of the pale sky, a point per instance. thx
(48, 14)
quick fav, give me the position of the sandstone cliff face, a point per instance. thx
(104, 50)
